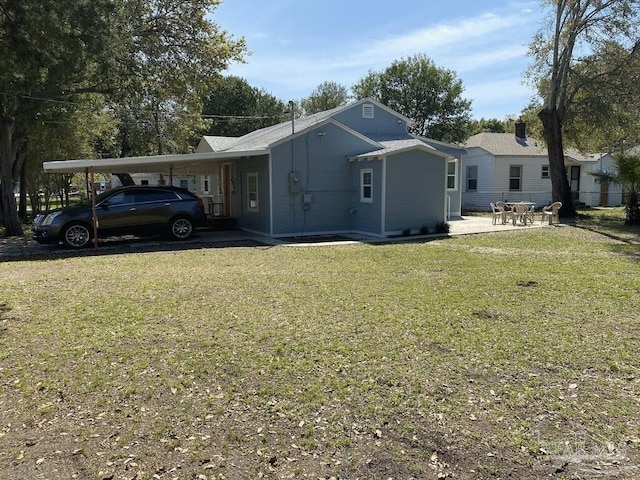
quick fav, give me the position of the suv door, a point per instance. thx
(153, 208)
(116, 212)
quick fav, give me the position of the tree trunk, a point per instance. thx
(7, 159)
(560, 189)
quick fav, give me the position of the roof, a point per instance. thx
(256, 143)
(393, 147)
(507, 144)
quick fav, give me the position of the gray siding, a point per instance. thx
(367, 216)
(320, 161)
(383, 125)
(249, 220)
(415, 196)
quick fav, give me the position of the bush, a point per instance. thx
(442, 227)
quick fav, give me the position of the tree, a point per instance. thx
(326, 96)
(235, 108)
(174, 54)
(150, 58)
(561, 74)
(428, 95)
(627, 175)
(492, 125)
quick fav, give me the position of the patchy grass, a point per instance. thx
(489, 356)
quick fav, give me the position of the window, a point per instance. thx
(472, 178)
(144, 182)
(184, 183)
(515, 177)
(206, 182)
(252, 192)
(452, 167)
(366, 185)
(545, 171)
(367, 110)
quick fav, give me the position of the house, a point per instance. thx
(352, 169)
(508, 167)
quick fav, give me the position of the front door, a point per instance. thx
(604, 194)
(574, 181)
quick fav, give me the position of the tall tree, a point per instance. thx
(235, 108)
(173, 56)
(151, 57)
(563, 52)
(428, 95)
(326, 96)
(48, 50)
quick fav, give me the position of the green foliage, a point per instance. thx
(326, 96)
(235, 108)
(627, 175)
(430, 96)
(147, 63)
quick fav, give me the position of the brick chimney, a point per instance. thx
(521, 130)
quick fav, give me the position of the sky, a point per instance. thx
(295, 45)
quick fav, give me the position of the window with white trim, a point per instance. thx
(366, 185)
(545, 171)
(452, 169)
(472, 178)
(515, 177)
(252, 192)
(206, 183)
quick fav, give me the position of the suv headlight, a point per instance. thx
(49, 218)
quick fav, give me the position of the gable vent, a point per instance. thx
(367, 110)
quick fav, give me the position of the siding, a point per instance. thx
(255, 221)
(414, 193)
(383, 126)
(323, 169)
(366, 217)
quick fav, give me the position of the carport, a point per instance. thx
(169, 165)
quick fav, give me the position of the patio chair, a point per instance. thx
(551, 211)
(530, 213)
(519, 212)
(498, 213)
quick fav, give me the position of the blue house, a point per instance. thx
(353, 169)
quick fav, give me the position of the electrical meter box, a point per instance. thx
(294, 182)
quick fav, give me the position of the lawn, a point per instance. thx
(506, 355)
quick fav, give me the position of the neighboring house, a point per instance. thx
(183, 181)
(353, 169)
(504, 166)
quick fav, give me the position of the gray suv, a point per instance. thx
(134, 210)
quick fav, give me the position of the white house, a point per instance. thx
(508, 167)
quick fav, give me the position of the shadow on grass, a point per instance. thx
(120, 247)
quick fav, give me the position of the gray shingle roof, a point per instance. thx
(507, 144)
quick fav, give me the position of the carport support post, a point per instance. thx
(94, 216)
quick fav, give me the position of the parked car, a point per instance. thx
(133, 210)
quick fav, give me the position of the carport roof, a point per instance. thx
(182, 164)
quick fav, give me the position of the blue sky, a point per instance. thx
(297, 44)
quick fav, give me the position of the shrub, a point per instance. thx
(442, 227)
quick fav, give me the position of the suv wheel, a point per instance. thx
(180, 228)
(76, 235)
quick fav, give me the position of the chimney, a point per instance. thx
(521, 130)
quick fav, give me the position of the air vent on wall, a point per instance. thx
(367, 110)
